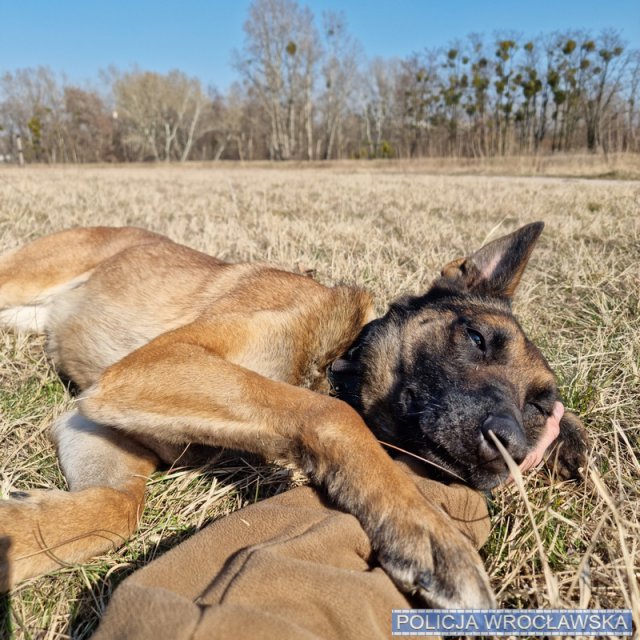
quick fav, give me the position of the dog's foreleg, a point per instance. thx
(49, 529)
(175, 389)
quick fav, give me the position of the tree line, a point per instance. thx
(306, 91)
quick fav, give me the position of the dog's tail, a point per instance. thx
(31, 277)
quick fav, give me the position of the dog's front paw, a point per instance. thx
(438, 563)
(567, 457)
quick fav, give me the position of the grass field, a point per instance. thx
(389, 228)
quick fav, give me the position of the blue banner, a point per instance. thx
(511, 622)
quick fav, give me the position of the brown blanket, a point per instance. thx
(287, 567)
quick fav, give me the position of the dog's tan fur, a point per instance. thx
(172, 346)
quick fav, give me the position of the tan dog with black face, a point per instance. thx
(171, 346)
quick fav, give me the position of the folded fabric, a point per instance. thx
(288, 567)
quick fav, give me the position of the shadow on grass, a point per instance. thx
(6, 626)
(93, 599)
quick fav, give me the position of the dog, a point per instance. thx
(170, 346)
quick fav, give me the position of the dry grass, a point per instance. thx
(620, 166)
(615, 166)
(389, 227)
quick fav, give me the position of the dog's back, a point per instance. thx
(100, 293)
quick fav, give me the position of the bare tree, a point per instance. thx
(341, 76)
(88, 126)
(233, 125)
(278, 63)
(161, 115)
(631, 137)
(378, 103)
(603, 76)
(32, 105)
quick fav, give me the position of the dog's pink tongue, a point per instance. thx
(550, 433)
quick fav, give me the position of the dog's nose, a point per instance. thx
(509, 432)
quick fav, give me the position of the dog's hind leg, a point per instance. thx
(32, 277)
(49, 529)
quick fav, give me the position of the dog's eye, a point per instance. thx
(477, 339)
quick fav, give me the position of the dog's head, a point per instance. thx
(437, 372)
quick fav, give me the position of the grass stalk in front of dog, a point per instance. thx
(390, 230)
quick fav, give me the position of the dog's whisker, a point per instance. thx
(430, 407)
(414, 455)
(417, 413)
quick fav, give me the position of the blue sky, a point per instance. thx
(80, 37)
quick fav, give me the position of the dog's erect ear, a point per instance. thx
(496, 268)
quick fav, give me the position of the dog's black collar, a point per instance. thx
(333, 384)
(340, 383)
(343, 375)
